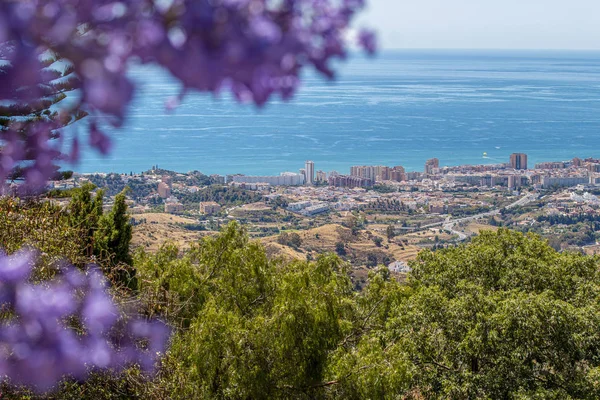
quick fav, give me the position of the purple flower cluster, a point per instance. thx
(38, 343)
(253, 48)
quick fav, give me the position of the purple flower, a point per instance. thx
(16, 268)
(255, 49)
(99, 313)
(99, 140)
(368, 41)
(37, 346)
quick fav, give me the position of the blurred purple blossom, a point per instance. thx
(368, 41)
(254, 48)
(38, 348)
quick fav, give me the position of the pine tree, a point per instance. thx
(114, 232)
(111, 242)
(85, 212)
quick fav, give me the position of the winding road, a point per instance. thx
(449, 224)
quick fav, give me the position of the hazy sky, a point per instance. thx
(488, 24)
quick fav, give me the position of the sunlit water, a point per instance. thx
(400, 108)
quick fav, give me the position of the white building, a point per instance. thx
(550, 181)
(399, 266)
(285, 179)
(301, 205)
(315, 209)
(309, 170)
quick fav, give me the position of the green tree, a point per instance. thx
(340, 248)
(371, 260)
(251, 327)
(390, 232)
(377, 240)
(503, 317)
(291, 239)
(84, 214)
(111, 242)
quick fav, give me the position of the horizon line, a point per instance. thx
(384, 48)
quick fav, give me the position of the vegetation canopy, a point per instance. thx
(505, 316)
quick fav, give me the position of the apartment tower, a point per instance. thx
(518, 161)
(309, 171)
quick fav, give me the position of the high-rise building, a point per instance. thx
(372, 172)
(518, 161)
(350, 181)
(514, 181)
(397, 174)
(414, 176)
(321, 176)
(309, 170)
(431, 166)
(592, 167)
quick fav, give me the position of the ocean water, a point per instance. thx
(399, 108)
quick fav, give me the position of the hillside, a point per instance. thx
(357, 247)
(153, 229)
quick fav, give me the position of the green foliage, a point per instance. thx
(84, 212)
(290, 239)
(385, 188)
(40, 225)
(377, 240)
(111, 241)
(390, 232)
(504, 316)
(76, 232)
(371, 259)
(250, 327)
(340, 248)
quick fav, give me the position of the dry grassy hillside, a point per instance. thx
(358, 247)
(153, 230)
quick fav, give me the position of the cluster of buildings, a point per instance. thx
(284, 179)
(209, 208)
(309, 208)
(514, 174)
(378, 173)
(345, 192)
(345, 199)
(306, 176)
(573, 204)
(350, 181)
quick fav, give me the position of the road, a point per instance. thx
(449, 224)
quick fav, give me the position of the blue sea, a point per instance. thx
(399, 108)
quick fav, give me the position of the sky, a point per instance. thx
(485, 24)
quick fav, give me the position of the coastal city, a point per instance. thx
(299, 199)
(390, 213)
